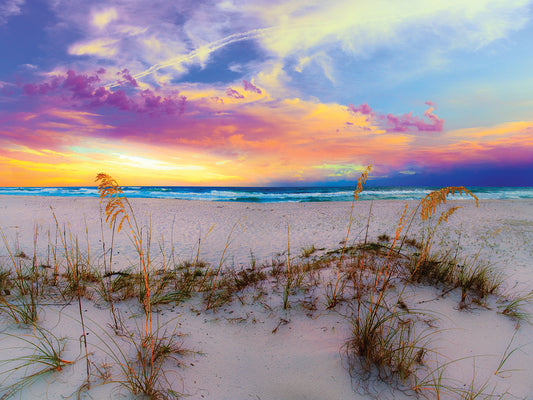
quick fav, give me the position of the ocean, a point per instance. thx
(268, 194)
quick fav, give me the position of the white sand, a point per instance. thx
(303, 359)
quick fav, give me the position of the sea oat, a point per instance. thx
(438, 197)
(108, 187)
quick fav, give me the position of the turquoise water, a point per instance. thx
(269, 194)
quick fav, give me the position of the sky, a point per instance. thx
(266, 92)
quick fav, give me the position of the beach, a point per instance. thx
(259, 349)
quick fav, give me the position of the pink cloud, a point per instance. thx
(127, 77)
(233, 93)
(42, 88)
(407, 122)
(170, 105)
(118, 99)
(86, 90)
(437, 124)
(267, 139)
(81, 86)
(404, 123)
(362, 108)
(251, 87)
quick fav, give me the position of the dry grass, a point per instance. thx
(144, 365)
(333, 295)
(475, 279)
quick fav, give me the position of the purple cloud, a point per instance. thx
(362, 108)
(233, 93)
(251, 87)
(170, 105)
(41, 89)
(408, 121)
(127, 77)
(85, 91)
(118, 99)
(404, 123)
(82, 86)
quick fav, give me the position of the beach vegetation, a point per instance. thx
(334, 294)
(144, 362)
(41, 357)
(308, 251)
(387, 341)
(288, 281)
(211, 276)
(448, 271)
(501, 370)
(514, 307)
(383, 238)
(19, 296)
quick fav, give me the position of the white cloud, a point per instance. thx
(8, 8)
(234, 67)
(361, 27)
(150, 35)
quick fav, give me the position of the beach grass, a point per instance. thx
(43, 359)
(144, 362)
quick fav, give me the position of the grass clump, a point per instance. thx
(475, 279)
(308, 251)
(144, 361)
(20, 299)
(21, 285)
(44, 358)
(333, 294)
(514, 308)
(385, 340)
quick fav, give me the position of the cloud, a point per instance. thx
(404, 123)
(160, 40)
(104, 47)
(251, 87)
(9, 8)
(361, 27)
(237, 133)
(102, 18)
(362, 108)
(233, 93)
(320, 59)
(128, 78)
(202, 52)
(87, 91)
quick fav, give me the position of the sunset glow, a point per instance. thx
(254, 93)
